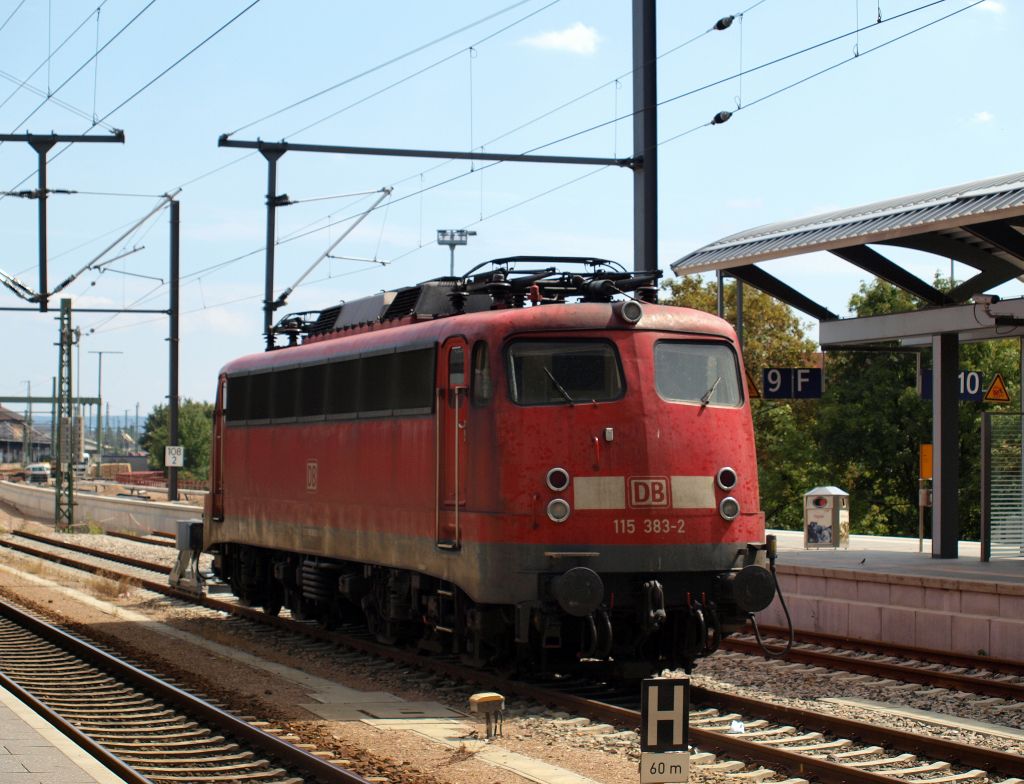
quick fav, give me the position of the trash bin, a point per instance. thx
(826, 518)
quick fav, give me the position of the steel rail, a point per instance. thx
(140, 539)
(940, 748)
(283, 751)
(77, 548)
(120, 769)
(902, 672)
(950, 751)
(860, 644)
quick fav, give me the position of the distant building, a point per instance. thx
(12, 439)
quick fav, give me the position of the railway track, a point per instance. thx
(159, 541)
(990, 678)
(910, 653)
(799, 742)
(884, 665)
(142, 728)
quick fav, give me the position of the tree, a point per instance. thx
(864, 434)
(195, 432)
(772, 337)
(872, 421)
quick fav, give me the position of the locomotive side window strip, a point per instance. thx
(237, 404)
(560, 372)
(692, 372)
(343, 388)
(379, 384)
(259, 397)
(414, 382)
(312, 391)
(285, 397)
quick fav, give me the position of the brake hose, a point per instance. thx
(771, 550)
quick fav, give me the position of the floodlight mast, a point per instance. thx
(451, 238)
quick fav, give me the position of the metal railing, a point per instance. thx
(1002, 486)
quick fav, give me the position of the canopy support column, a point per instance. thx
(946, 440)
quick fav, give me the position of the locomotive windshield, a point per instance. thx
(553, 372)
(704, 373)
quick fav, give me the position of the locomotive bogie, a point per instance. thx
(548, 485)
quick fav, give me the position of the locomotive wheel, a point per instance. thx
(272, 607)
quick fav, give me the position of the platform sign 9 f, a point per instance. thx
(784, 383)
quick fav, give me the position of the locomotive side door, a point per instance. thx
(452, 406)
(217, 463)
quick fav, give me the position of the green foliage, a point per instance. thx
(195, 432)
(865, 433)
(772, 337)
(871, 421)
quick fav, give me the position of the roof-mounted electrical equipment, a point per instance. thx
(511, 282)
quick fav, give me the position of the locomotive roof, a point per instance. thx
(409, 332)
(508, 282)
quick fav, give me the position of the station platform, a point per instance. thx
(34, 752)
(882, 588)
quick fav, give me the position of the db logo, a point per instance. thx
(312, 471)
(648, 491)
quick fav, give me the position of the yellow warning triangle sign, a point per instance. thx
(752, 391)
(997, 391)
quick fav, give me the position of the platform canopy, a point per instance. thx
(980, 224)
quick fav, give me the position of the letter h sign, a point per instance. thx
(665, 714)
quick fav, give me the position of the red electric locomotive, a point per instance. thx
(485, 465)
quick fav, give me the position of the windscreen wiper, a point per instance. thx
(706, 398)
(560, 388)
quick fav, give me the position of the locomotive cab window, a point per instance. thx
(703, 373)
(553, 372)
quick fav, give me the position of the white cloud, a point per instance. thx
(577, 39)
(995, 6)
(751, 203)
(980, 118)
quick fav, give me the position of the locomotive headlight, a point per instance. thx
(726, 478)
(559, 510)
(729, 508)
(558, 479)
(631, 311)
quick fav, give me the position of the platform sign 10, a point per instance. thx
(801, 383)
(970, 384)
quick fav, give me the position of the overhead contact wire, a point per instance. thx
(10, 16)
(424, 69)
(691, 130)
(449, 180)
(80, 68)
(378, 67)
(181, 59)
(23, 83)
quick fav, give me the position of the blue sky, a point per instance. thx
(938, 107)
